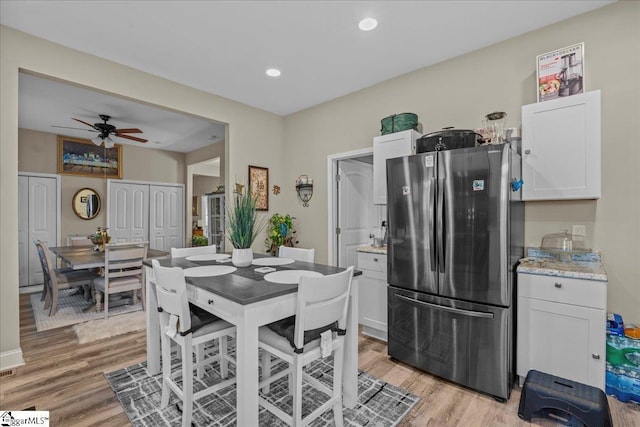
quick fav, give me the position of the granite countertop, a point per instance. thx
(582, 265)
(370, 249)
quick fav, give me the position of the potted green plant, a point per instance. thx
(280, 232)
(243, 227)
(199, 241)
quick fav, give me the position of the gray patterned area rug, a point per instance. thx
(379, 404)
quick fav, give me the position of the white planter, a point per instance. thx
(242, 257)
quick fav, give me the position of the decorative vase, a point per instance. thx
(242, 257)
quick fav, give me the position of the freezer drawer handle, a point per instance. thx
(558, 285)
(449, 309)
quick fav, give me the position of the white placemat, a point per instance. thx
(207, 257)
(272, 261)
(208, 270)
(290, 276)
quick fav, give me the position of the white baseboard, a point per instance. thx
(11, 359)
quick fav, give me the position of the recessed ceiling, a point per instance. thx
(50, 106)
(223, 47)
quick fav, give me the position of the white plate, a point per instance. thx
(208, 270)
(207, 257)
(272, 261)
(290, 276)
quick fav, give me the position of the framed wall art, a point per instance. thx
(81, 157)
(259, 186)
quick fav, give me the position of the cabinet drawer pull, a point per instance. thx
(596, 356)
(375, 259)
(210, 302)
(527, 151)
(558, 285)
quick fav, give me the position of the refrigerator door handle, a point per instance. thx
(469, 313)
(432, 219)
(440, 214)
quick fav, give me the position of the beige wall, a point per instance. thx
(22, 51)
(37, 152)
(203, 184)
(459, 92)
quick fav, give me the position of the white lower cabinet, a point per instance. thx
(372, 294)
(561, 328)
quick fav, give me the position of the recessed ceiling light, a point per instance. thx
(368, 24)
(273, 72)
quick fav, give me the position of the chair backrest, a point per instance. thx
(196, 250)
(322, 301)
(299, 254)
(171, 292)
(48, 269)
(124, 259)
(75, 240)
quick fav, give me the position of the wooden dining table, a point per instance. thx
(85, 257)
(245, 299)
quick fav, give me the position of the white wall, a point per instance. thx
(20, 51)
(502, 77)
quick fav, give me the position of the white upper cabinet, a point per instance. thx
(385, 147)
(561, 148)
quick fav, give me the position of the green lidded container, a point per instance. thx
(398, 123)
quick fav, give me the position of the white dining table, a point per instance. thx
(244, 299)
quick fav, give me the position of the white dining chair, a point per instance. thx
(196, 250)
(316, 331)
(299, 254)
(122, 272)
(188, 326)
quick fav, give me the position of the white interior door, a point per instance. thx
(128, 212)
(37, 219)
(166, 217)
(357, 215)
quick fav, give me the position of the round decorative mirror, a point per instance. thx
(86, 203)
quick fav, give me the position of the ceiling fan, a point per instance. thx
(106, 130)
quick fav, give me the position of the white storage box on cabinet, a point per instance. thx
(385, 147)
(372, 306)
(561, 148)
(561, 327)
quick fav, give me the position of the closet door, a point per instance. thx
(128, 212)
(37, 219)
(166, 224)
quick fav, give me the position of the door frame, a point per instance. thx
(332, 197)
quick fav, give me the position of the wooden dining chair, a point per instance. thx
(122, 272)
(299, 254)
(316, 331)
(56, 279)
(196, 250)
(190, 327)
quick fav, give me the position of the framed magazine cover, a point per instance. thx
(560, 72)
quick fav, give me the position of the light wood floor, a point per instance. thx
(66, 378)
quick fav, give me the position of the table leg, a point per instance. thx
(153, 326)
(350, 373)
(247, 372)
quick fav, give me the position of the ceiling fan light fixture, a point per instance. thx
(108, 142)
(97, 140)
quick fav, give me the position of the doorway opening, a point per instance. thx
(353, 217)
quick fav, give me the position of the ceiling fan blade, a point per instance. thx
(67, 127)
(133, 138)
(83, 122)
(129, 130)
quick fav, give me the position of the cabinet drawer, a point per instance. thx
(213, 303)
(585, 293)
(375, 262)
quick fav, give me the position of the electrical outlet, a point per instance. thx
(579, 230)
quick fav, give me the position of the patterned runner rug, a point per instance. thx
(70, 311)
(379, 403)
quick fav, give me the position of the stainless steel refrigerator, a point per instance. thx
(455, 234)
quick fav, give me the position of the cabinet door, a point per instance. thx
(561, 339)
(385, 147)
(372, 307)
(561, 148)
